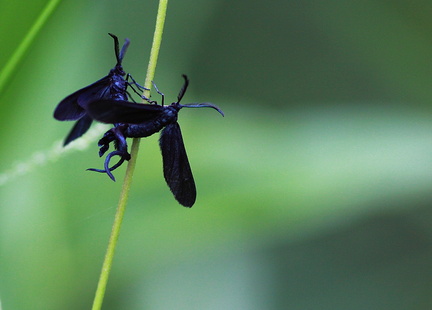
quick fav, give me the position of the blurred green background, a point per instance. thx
(314, 192)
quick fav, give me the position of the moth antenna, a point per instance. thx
(123, 51)
(119, 54)
(116, 47)
(183, 89)
(202, 105)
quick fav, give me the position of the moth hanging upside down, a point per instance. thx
(107, 101)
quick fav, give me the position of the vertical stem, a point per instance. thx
(157, 39)
(107, 264)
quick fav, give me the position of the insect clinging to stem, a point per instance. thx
(112, 86)
(142, 120)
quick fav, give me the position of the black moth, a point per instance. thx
(113, 86)
(134, 120)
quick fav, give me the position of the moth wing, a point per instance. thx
(176, 168)
(80, 127)
(119, 111)
(72, 107)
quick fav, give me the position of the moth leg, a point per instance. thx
(140, 87)
(159, 92)
(130, 97)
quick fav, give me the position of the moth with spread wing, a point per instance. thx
(142, 120)
(113, 86)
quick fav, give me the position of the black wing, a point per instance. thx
(119, 111)
(80, 127)
(72, 107)
(176, 168)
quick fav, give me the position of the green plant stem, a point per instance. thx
(107, 264)
(16, 57)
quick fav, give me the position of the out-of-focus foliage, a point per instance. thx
(314, 191)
